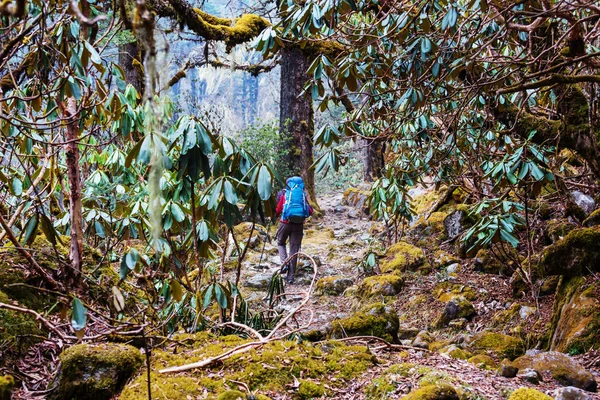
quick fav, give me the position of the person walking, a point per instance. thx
(293, 207)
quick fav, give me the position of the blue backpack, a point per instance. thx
(295, 208)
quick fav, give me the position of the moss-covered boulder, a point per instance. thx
(430, 227)
(333, 285)
(380, 285)
(556, 229)
(96, 372)
(456, 352)
(271, 368)
(593, 219)
(355, 197)
(497, 261)
(576, 254)
(447, 291)
(405, 257)
(498, 344)
(439, 391)
(372, 320)
(7, 383)
(243, 231)
(458, 307)
(576, 315)
(528, 394)
(561, 367)
(484, 362)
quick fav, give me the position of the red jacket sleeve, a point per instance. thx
(280, 204)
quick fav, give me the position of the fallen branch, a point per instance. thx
(262, 340)
(385, 342)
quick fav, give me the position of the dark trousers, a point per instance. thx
(294, 232)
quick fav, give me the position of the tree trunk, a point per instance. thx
(373, 157)
(72, 274)
(296, 117)
(131, 62)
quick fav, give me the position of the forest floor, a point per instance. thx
(339, 240)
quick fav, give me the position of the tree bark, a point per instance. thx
(373, 157)
(296, 118)
(131, 61)
(72, 274)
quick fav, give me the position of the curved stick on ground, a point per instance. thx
(262, 340)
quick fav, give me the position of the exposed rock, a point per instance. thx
(447, 291)
(570, 393)
(574, 255)
(96, 372)
(530, 375)
(353, 214)
(576, 315)
(439, 391)
(561, 367)
(422, 340)
(453, 224)
(340, 209)
(528, 394)
(441, 259)
(380, 285)
(259, 280)
(508, 369)
(355, 197)
(458, 307)
(453, 268)
(496, 262)
(585, 202)
(333, 285)
(404, 257)
(372, 320)
(405, 333)
(593, 219)
(503, 346)
(242, 234)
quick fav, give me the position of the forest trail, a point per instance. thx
(339, 240)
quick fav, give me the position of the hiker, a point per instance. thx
(292, 205)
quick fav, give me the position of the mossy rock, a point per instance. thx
(457, 308)
(456, 352)
(405, 257)
(576, 315)
(381, 285)
(96, 372)
(497, 262)
(440, 391)
(484, 362)
(232, 395)
(447, 291)
(7, 383)
(318, 237)
(442, 258)
(432, 226)
(310, 390)
(561, 367)
(593, 219)
(556, 229)
(498, 344)
(355, 197)
(273, 367)
(528, 394)
(372, 320)
(576, 254)
(333, 285)
(242, 234)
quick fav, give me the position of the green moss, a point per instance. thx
(528, 394)
(355, 197)
(309, 390)
(96, 371)
(456, 352)
(381, 285)
(272, 367)
(576, 315)
(556, 229)
(318, 237)
(574, 255)
(484, 362)
(7, 382)
(372, 320)
(404, 257)
(17, 329)
(447, 291)
(389, 380)
(499, 261)
(439, 391)
(503, 346)
(232, 395)
(593, 219)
